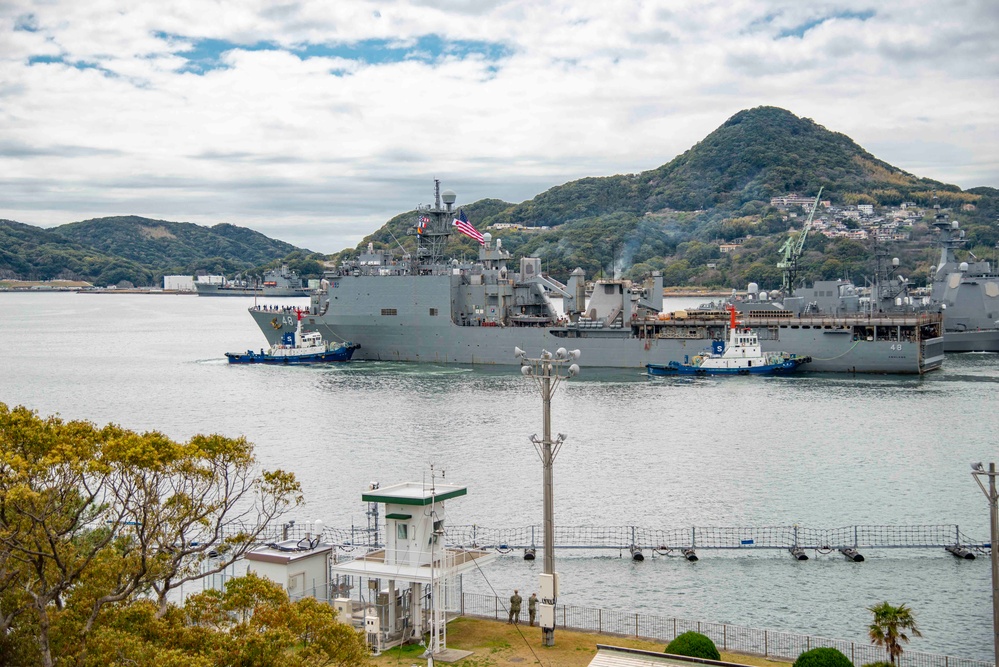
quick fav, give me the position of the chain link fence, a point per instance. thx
(768, 643)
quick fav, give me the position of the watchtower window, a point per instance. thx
(401, 532)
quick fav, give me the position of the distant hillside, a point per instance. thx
(719, 190)
(159, 243)
(32, 253)
(106, 251)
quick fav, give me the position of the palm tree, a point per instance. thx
(889, 626)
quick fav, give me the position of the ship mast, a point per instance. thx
(433, 227)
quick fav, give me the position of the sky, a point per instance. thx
(315, 122)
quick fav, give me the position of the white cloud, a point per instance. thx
(321, 150)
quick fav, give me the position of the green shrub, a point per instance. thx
(695, 645)
(822, 657)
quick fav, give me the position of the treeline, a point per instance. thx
(140, 251)
(100, 527)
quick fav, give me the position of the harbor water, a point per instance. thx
(820, 451)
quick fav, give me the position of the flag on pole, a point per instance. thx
(424, 220)
(465, 227)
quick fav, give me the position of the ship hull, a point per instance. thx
(403, 318)
(676, 368)
(264, 292)
(986, 340)
(338, 355)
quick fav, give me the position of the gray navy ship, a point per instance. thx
(276, 283)
(423, 307)
(968, 292)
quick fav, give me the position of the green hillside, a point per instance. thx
(106, 251)
(32, 253)
(182, 245)
(674, 218)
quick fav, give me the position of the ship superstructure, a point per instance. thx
(424, 308)
(968, 293)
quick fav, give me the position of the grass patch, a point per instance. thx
(496, 644)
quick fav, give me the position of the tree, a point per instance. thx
(889, 626)
(90, 518)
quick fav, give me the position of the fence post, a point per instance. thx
(852, 658)
(725, 637)
(600, 620)
(463, 603)
(496, 607)
(636, 625)
(766, 646)
(674, 627)
(563, 616)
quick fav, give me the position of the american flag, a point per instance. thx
(465, 227)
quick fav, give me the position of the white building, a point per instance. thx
(389, 584)
(178, 283)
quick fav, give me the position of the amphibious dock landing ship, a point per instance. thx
(425, 308)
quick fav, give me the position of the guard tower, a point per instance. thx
(401, 590)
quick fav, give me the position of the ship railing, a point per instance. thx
(771, 644)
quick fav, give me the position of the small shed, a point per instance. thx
(301, 567)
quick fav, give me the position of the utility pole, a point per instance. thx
(978, 471)
(548, 371)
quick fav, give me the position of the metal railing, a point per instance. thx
(768, 643)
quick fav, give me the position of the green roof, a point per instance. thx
(413, 494)
(395, 515)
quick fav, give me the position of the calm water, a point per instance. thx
(821, 451)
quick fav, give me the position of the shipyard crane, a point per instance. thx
(791, 251)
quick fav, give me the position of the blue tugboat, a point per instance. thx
(742, 355)
(297, 348)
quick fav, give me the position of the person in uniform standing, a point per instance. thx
(515, 601)
(532, 607)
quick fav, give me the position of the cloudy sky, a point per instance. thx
(314, 122)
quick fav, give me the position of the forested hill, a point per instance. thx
(163, 243)
(717, 191)
(106, 251)
(33, 253)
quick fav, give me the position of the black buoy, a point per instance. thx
(529, 553)
(961, 552)
(689, 554)
(798, 553)
(636, 553)
(852, 554)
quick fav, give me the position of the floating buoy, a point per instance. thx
(529, 553)
(636, 553)
(852, 554)
(961, 552)
(798, 553)
(689, 554)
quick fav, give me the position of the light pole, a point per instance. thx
(548, 371)
(978, 471)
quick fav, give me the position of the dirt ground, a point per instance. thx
(496, 644)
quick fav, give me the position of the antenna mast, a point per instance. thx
(433, 227)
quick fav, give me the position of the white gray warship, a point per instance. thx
(428, 309)
(967, 291)
(276, 283)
